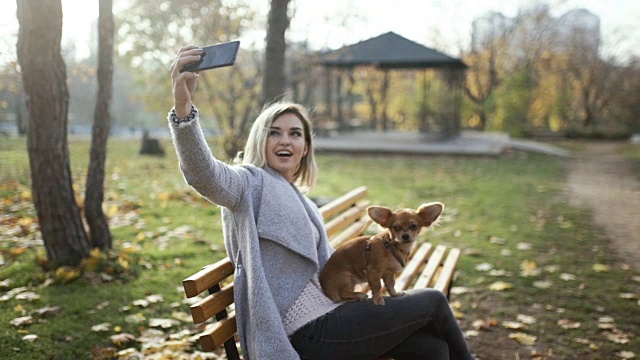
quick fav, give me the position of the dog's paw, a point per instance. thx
(398, 294)
(378, 301)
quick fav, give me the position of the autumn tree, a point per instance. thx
(274, 82)
(44, 78)
(151, 34)
(94, 192)
(482, 76)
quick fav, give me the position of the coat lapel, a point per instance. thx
(284, 216)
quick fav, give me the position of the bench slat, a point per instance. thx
(212, 304)
(448, 269)
(218, 333)
(347, 218)
(432, 265)
(410, 271)
(345, 201)
(355, 229)
(207, 277)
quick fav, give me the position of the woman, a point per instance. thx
(276, 240)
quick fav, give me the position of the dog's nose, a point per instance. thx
(405, 237)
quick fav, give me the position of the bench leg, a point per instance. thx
(230, 345)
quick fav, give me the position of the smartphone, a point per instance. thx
(215, 56)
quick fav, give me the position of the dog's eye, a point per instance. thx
(397, 227)
(413, 227)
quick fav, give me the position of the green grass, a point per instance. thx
(517, 198)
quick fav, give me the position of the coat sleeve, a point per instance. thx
(217, 181)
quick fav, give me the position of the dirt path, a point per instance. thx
(604, 181)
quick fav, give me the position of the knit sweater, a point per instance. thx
(266, 221)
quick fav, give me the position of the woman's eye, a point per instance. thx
(273, 133)
(296, 133)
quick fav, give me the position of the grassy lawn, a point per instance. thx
(532, 265)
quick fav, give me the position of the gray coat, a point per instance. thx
(267, 235)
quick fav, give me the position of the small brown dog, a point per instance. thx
(382, 256)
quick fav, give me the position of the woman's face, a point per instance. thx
(286, 145)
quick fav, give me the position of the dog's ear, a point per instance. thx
(380, 215)
(430, 212)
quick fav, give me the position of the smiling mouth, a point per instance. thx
(284, 153)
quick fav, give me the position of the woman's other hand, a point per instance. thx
(184, 84)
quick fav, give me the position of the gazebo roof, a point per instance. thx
(389, 50)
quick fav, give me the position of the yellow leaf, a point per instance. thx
(65, 274)
(113, 211)
(25, 221)
(601, 268)
(92, 262)
(19, 308)
(141, 236)
(26, 195)
(122, 260)
(500, 286)
(523, 339)
(17, 251)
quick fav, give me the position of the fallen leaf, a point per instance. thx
(524, 246)
(500, 286)
(101, 327)
(529, 268)
(529, 320)
(471, 333)
(29, 296)
(601, 268)
(163, 323)
(523, 339)
(122, 339)
(21, 321)
(456, 290)
(484, 267)
(47, 311)
(155, 299)
(567, 277)
(617, 337)
(496, 240)
(628, 296)
(568, 324)
(626, 354)
(141, 302)
(606, 319)
(543, 284)
(65, 274)
(512, 325)
(30, 337)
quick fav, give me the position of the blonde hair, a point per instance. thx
(255, 149)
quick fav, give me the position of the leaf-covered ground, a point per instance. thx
(538, 278)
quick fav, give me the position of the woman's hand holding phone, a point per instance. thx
(184, 83)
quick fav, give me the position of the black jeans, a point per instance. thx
(418, 325)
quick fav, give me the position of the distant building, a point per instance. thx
(577, 27)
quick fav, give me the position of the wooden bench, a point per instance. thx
(345, 217)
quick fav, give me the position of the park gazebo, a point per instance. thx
(387, 52)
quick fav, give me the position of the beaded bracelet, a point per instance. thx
(192, 115)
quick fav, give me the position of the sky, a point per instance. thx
(441, 24)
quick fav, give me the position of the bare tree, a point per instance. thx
(274, 82)
(94, 192)
(44, 78)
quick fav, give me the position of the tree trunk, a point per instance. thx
(274, 83)
(94, 192)
(44, 78)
